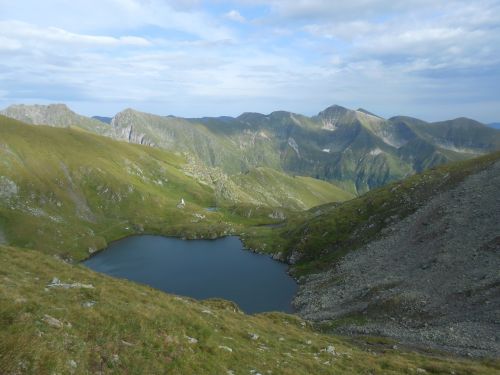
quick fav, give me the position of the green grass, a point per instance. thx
(65, 191)
(74, 191)
(326, 233)
(276, 189)
(135, 329)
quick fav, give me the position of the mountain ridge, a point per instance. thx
(354, 149)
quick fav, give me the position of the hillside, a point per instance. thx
(277, 189)
(416, 260)
(354, 149)
(92, 326)
(69, 192)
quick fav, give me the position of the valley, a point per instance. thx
(337, 196)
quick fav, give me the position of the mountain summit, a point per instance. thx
(57, 115)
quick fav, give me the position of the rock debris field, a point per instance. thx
(432, 279)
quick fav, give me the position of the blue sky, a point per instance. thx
(434, 59)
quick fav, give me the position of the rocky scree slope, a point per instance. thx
(429, 279)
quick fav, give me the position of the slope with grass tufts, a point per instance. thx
(98, 324)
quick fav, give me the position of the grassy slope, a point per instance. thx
(137, 330)
(277, 189)
(328, 232)
(65, 191)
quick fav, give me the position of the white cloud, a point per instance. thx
(23, 34)
(343, 30)
(340, 10)
(8, 44)
(101, 16)
(235, 16)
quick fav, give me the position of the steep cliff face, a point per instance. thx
(128, 128)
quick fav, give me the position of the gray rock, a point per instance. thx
(53, 322)
(89, 304)
(432, 279)
(56, 283)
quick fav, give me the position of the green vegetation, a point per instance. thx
(65, 193)
(277, 189)
(69, 192)
(355, 150)
(103, 325)
(326, 233)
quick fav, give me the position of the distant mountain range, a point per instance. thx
(355, 149)
(495, 125)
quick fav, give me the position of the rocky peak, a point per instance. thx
(336, 115)
(334, 110)
(463, 122)
(124, 117)
(249, 117)
(52, 114)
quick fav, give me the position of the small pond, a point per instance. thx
(200, 269)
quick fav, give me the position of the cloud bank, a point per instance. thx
(428, 59)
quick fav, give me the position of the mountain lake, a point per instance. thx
(201, 269)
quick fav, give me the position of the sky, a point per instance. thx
(431, 59)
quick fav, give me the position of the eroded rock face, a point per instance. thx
(432, 279)
(123, 124)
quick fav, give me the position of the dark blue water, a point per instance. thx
(200, 269)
